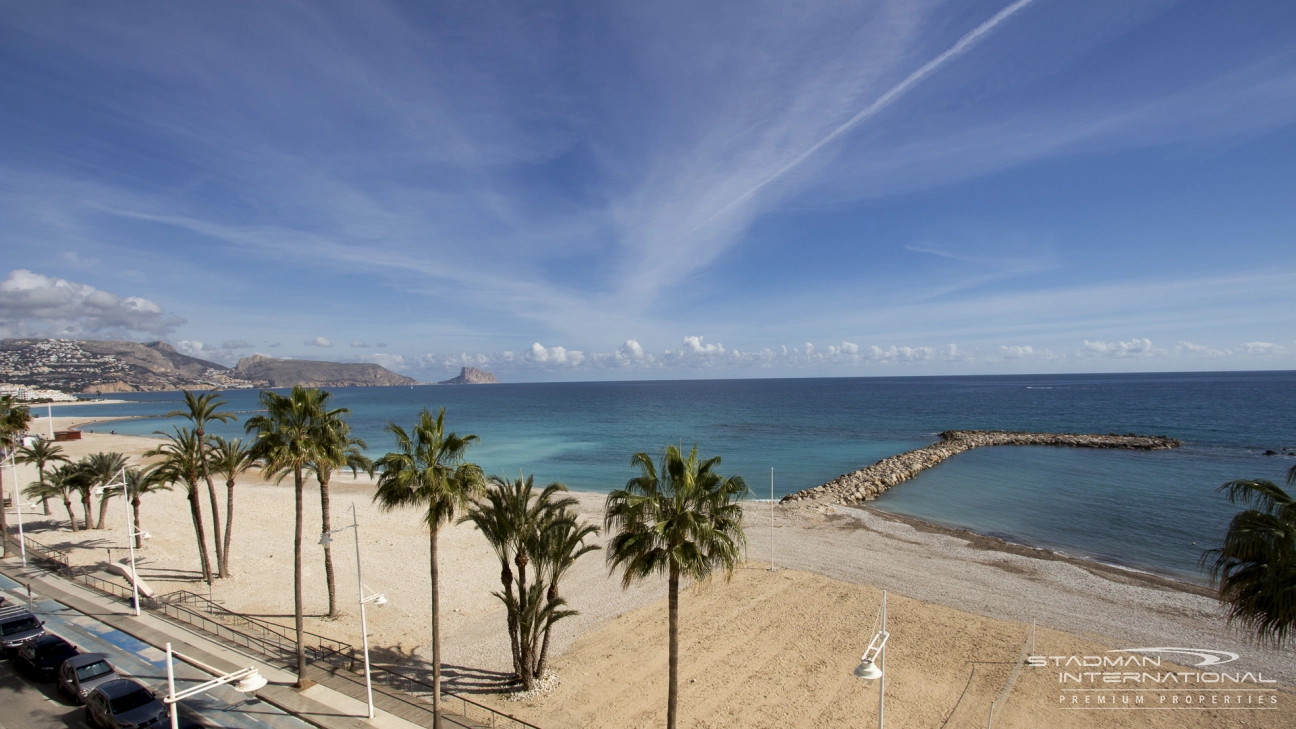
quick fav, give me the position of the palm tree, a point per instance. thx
(42, 453)
(683, 520)
(104, 468)
(141, 481)
(524, 528)
(288, 439)
(231, 459)
(428, 471)
(13, 423)
(84, 485)
(61, 482)
(338, 450)
(202, 410)
(181, 463)
(560, 544)
(1255, 568)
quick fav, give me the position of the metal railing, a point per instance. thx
(282, 637)
(420, 692)
(35, 550)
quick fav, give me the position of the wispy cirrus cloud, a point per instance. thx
(537, 181)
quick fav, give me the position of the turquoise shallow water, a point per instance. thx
(1143, 510)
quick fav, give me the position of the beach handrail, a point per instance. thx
(49, 554)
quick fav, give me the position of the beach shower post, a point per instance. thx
(771, 519)
(376, 598)
(873, 661)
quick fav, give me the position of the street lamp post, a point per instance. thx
(873, 662)
(18, 507)
(376, 598)
(132, 531)
(249, 681)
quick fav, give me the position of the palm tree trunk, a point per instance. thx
(506, 576)
(672, 610)
(88, 507)
(44, 499)
(4, 524)
(211, 494)
(436, 634)
(297, 582)
(71, 516)
(195, 513)
(525, 617)
(544, 647)
(139, 537)
(103, 509)
(328, 550)
(229, 525)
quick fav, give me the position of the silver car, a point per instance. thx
(124, 704)
(17, 626)
(79, 675)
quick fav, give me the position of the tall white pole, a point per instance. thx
(882, 666)
(49, 410)
(771, 519)
(17, 501)
(175, 707)
(131, 530)
(364, 626)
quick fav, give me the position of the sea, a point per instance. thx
(1152, 511)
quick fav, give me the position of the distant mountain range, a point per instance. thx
(310, 373)
(91, 366)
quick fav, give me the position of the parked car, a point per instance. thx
(123, 704)
(42, 656)
(17, 626)
(80, 674)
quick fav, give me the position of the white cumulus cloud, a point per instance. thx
(319, 342)
(28, 298)
(1132, 348)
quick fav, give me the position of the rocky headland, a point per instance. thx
(472, 376)
(868, 482)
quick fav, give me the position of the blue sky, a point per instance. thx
(636, 190)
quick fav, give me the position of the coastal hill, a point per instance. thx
(91, 366)
(312, 373)
(472, 376)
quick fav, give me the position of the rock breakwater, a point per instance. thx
(868, 482)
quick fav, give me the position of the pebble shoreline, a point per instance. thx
(867, 483)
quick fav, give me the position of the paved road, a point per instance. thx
(27, 706)
(220, 707)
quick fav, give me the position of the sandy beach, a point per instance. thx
(769, 648)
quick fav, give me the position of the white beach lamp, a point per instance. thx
(251, 683)
(326, 538)
(869, 668)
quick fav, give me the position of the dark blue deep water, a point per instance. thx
(1143, 510)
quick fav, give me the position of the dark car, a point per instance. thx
(17, 626)
(123, 704)
(80, 674)
(42, 656)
